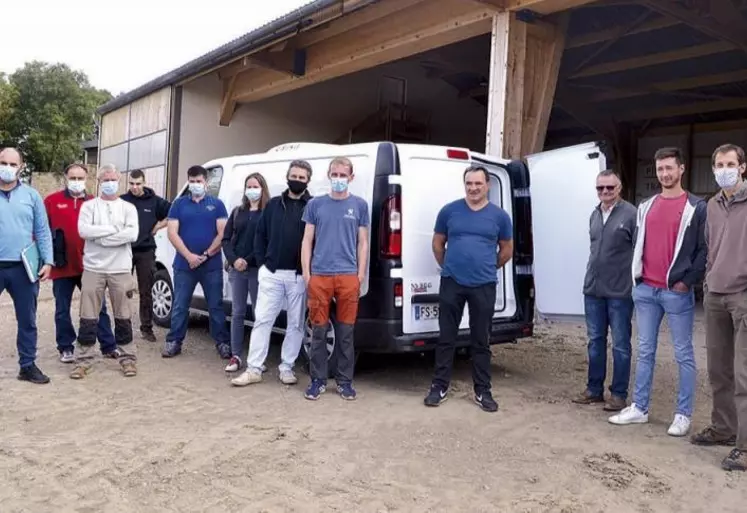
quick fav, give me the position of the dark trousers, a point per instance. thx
(481, 304)
(24, 295)
(211, 282)
(63, 289)
(144, 264)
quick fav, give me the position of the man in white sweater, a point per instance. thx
(109, 225)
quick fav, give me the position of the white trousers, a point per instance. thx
(277, 290)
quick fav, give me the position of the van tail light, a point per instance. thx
(453, 153)
(390, 228)
(398, 295)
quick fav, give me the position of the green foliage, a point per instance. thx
(50, 111)
(8, 99)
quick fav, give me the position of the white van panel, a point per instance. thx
(562, 187)
(430, 181)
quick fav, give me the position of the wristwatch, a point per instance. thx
(206, 254)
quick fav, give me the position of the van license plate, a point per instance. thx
(425, 312)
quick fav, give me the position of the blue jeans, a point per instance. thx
(63, 289)
(614, 314)
(24, 295)
(185, 282)
(243, 284)
(650, 306)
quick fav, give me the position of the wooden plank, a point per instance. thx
(115, 127)
(431, 26)
(515, 91)
(601, 36)
(227, 104)
(684, 110)
(498, 88)
(548, 6)
(150, 114)
(656, 59)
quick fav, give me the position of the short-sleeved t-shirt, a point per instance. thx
(336, 225)
(471, 241)
(197, 228)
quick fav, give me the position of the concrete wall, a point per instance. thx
(319, 113)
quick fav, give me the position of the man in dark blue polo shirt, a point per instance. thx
(195, 228)
(480, 242)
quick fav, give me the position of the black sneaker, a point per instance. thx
(33, 375)
(148, 335)
(736, 460)
(224, 350)
(171, 349)
(436, 395)
(485, 401)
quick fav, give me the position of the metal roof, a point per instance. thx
(289, 23)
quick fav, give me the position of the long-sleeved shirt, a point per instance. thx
(726, 236)
(23, 220)
(109, 229)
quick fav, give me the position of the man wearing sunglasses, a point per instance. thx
(608, 303)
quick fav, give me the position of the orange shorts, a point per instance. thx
(345, 289)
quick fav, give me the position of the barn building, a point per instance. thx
(510, 77)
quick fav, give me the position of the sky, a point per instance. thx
(126, 44)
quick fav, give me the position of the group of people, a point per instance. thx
(648, 260)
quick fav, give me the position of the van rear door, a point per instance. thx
(563, 195)
(431, 177)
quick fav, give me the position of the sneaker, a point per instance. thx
(614, 403)
(736, 460)
(436, 395)
(247, 377)
(33, 374)
(224, 350)
(587, 397)
(485, 401)
(114, 354)
(630, 415)
(234, 364)
(67, 356)
(79, 372)
(171, 349)
(346, 391)
(288, 377)
(680, 425)
(148, 335)
(316, 388)
(709, 437)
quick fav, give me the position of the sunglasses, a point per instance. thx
(608, 188)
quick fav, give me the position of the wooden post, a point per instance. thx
(498, 79)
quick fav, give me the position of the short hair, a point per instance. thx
(668, 153)
(726, 148)
(106, 168)
(609, 172)
(196, 171)
(18, 152)
(137, 174)
(341, 161)
(475, 169)
(73, 166)
(301, 164)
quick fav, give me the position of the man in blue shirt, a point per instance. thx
(474, 229)
(195, 228)
(23, 221)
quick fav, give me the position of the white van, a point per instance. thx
(405, 185)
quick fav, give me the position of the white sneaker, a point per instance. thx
(287, 377)
(630, 415)
(680, 426)
(247, 378)
(67, 356)
(233, 364)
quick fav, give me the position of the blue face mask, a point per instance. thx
(8, 174)
(110, 188)
(253, 194)
(197, 189)
(339, 184)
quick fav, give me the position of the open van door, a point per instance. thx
(563, 195)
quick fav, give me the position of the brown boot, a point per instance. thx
(129, 369)
(736, 460)
(615, 403)
(586, 398)
(709, 437)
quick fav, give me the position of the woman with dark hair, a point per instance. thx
(238, 247)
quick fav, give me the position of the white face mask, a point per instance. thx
(253, 193)
(76, 186)
(109, 188)
(197, 189)
(726, 177)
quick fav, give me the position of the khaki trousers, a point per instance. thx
(726, 342)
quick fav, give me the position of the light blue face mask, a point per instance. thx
(197, 189)
(110, 188)
(253, 193)
(8, 174)
(339, 184)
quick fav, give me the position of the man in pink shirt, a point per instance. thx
(668, 261)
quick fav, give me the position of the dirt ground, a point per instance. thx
(178, 437)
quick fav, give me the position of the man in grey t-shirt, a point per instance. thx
(334, 256)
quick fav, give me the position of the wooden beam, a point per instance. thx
(227, 104)
(727, 29)
(601, 36)
(495, 4)
(673, 85)
(289, 62)
(548, 6)
(499, 86)
(616, 35)
(684, 110)
(417, 29)
(656, 59)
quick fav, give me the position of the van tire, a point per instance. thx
(163, 298)
(306, 345)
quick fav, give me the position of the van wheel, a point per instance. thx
(331, 346)
(163, 298)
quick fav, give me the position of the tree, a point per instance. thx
(53, 112)
(8, 99)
